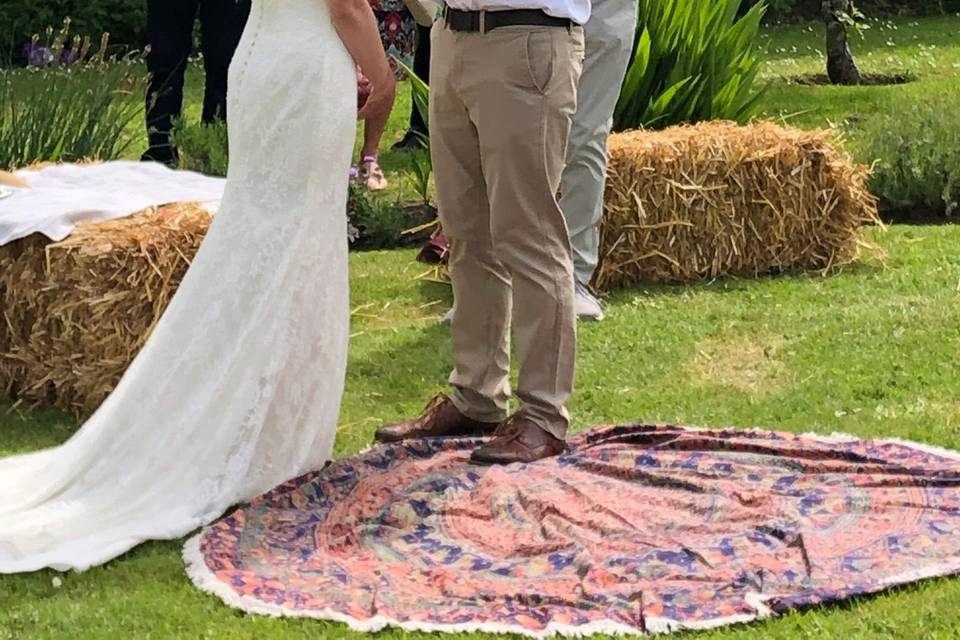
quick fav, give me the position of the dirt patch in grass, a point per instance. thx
(917, 216)
(748, 363)
(868, 79)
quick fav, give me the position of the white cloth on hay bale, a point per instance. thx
(61, 196)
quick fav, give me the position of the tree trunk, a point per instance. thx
(841, 67)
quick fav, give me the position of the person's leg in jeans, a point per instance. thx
(609, 45)
(421, 67)
(170, 37)
(222, 23)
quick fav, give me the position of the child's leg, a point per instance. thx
(373, 129)
(371, 175)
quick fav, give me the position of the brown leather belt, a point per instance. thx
(485, 21)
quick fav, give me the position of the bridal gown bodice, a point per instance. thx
(239, 386)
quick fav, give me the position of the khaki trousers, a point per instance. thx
(500, 110)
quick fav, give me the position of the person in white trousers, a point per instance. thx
(610, 37)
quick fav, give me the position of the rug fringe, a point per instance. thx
(206, 581)
(838, 436)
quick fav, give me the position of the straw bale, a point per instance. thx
(78, 311)
(22, 266)
(719, 199)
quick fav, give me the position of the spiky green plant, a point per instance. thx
(204, 147)
(80, 109)
(420, 161)
(421, 168)
(421, 93)
(693, 61)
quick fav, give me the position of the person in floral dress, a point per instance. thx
(398, 32)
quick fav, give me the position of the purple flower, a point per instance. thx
(37, 55)
(69, 56)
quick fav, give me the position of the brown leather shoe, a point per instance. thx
(441, 419)
(519, 440)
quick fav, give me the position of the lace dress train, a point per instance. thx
(239, 386)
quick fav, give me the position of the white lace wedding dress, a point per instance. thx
(239, 387)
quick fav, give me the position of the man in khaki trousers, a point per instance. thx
(503, 91)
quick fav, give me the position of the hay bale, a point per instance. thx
(22, 266)
(719, 199)
(78, 311)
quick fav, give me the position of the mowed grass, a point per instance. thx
(925, 50)
(872, 351)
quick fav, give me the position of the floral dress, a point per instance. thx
(398, 30)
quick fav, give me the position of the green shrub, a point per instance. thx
(124, 20)
(76, 111)
(916, 156)
(693, 61)
(377, 222)
(203, 147)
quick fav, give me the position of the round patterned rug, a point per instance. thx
(637, 529)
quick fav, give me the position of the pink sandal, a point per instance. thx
(371, 175)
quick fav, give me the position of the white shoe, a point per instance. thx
(448, 318)
(586, 304)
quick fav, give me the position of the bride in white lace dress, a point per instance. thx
(239, 387)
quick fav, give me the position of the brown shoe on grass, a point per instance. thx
(519, 440)
(441, 419)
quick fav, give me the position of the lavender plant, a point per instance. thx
(82, 107)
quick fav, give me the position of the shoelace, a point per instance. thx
(508, 430)
(433, 406)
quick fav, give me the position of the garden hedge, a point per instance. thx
(124, 20)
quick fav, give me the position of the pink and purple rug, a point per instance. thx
(637, 529)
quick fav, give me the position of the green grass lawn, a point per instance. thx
(873, 351)
(925, 50)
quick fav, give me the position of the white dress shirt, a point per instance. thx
(576, 10)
